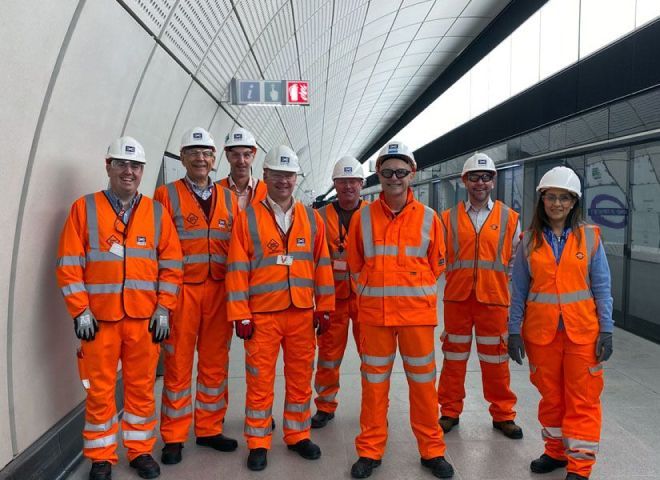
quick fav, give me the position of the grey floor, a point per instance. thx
(629, 444)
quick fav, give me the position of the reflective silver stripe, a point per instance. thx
(229, 203)
(367, 233)
(262, 262)
(423, 247)
(376, 377)
(327, 398)
(504, 224)
(258, 413)
(422, 377)
(176, 209)
(101, 442)
(451, 338)
(324, 289)
(324, 262)
(99, 256)
(312, 223)
(394, 291)
(168, 287)
(177, 264)
(253, 229)
(97, 288)
(551, 432)
(237, 296)
(251, 370)
(92, 222)
(456, 355)
(219, 235)
(453, 225)
(138, 434)
(581, 455)
(488, 265)
(176, 412)
(258, 432)
(468, 264)
(212, 390)
(590, 243)
(324, 213)
(596, 368)
(140, 285)
(174, 396)
(71, 261)
(577, 444)
(493, 358)
(196, 234)
(322, 388)
(278, 286)
(211, 407)
(375, 361)
(197, 258)
(100, 427)
(299, 426)
(322, 363)
(390, 250)
(489, 340)
(419, 361)
(168, 347)
(339, 276)
(158, 215)
(72, 288)
(137, 419)
(141, 253)
(215, 258)
(562, 298)
(296, 407)
(238, 267)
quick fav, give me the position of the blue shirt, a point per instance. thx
(599, 274)
(118, 207)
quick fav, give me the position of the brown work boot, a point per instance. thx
(447, 423)
(509, 429)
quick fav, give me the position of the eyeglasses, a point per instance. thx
(126, 164)
(238, 155)
(550, 199)
(196, 152)
(399, 172)
(279, 176)
(484, 177)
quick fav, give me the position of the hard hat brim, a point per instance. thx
(542, 189)
(280, 169)
(405, 158)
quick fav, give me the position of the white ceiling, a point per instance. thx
(367, 62)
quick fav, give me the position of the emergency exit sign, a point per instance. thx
(269, 92)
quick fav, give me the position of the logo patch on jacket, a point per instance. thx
(300, 242)
(273, 245)
(441, 262)
(493, 227)
(192, 218)
(222, 223)
(112, 239)
(141, 241)
(579, 255)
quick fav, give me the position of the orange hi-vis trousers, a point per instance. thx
(200, 321)
(490, 325)
(378, 351)
(332, 345)
(293, 329)
(570, 381)
(128, 340)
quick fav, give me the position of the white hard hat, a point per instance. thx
(479, 162)
(126, 148)
(240, 137)
(197, 137)
(282, 158)
(396, 149)
(560, 177)
(347, 167)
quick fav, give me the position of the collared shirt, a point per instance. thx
(245, 196)
(599, 275)
(118, 206)
(202, 192)
(282, 218)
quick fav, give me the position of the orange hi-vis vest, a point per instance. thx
(205, 243)
(269, 271)
(561, 289)
(399, 259)
(337, 237)
(258, 194)
(118, 270)
(479, 261)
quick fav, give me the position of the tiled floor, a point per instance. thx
(629, 444)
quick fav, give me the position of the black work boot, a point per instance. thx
(509, 429)
(257, 459)
(218, 442)
(321, 419)
(171, 453)
(447, 423)
(546, 464)
(575, 476)
(101, 471)
(439, 467)
(363, 467)
(146, 466)
(306, 449)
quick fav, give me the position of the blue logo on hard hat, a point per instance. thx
(284, 160)
(197, 135)
(348, 169)
(393, 148)
(238, 136)
(481, 161)
(129, 149)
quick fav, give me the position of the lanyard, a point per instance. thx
(344, 222)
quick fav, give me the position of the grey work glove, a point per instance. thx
(516, 348)
(604, 346)
(85, 325)
(159, 326)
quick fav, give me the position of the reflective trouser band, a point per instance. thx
(258, 413)
(375, 361)
(422, 377)
(322, 388)
(376, 377)
(456, 355)
(552, 432)
(211, 390)
(583, 449)
(451, 338)
(295, 425)
(493, 358)
(211, 407)
(258, 432)
(137, 419)
(296, 407)
(100, 427)
(489, 340)
(101, 442)
(138, 434)
(254, 371)
(419, 361)
(562, 298)
(176, 412)
(322, 363)
(327, 398)
(174, 396)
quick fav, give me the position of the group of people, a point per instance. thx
(205, 259)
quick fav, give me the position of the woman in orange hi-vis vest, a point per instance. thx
(561, 293)
(395, 245)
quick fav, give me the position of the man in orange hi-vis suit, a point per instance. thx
(348, 178)
(119, 269)
(203, 213)
(396, 247)
(279, 284)
(481, 237)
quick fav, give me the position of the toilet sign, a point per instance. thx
(269, 92)
(297, 92)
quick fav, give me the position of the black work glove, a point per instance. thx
(85, 325)
(604, 346)
(516, 348)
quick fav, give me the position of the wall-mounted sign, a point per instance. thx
(269, 92)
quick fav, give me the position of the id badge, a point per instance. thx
(339, 265)
(285, 260)
(117, 249)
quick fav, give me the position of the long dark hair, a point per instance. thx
(540, 220)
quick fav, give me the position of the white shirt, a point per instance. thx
(282, 218)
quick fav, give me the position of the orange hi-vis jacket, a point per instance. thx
(118, 270)
(258, 194)
(258, 279)
(561, 289)
(399, 259)
(479, 261)
(205, 243)
(337, 235)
